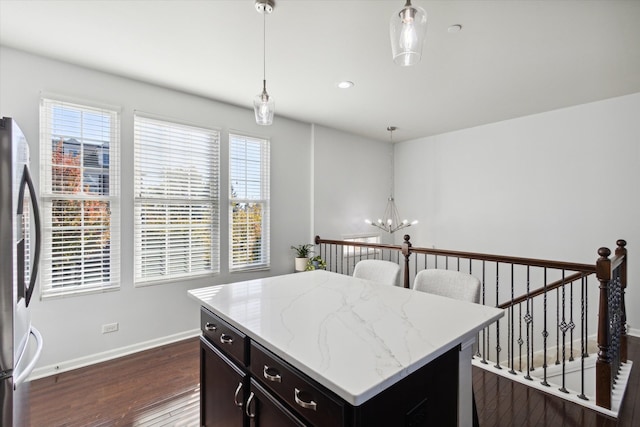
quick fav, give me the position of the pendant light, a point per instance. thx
(408, 30)
(263, 104)
(390, 221)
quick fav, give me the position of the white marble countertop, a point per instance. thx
(353, 336)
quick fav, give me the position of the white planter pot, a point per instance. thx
(301, 264)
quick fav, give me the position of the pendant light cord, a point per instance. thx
(264, 47)
(391, 156)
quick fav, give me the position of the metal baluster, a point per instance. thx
(583, 343)
(557, 326)
(564, 328)
(510, 340)
(477, 354)
(586, 316)
(528, 321)
(545, 333)
(520, 341)
(497, 365)
(484, 302)
(571, 324)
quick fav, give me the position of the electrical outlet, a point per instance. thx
(109, 327)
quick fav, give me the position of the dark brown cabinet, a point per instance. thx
(264, 410)
(313, 402)
(244, 384)
(222, 388)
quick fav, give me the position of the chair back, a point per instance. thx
(377, 270)
(448, 283)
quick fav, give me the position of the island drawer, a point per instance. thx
(304, 395)
(227, 338)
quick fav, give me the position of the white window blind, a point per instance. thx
(79, 162)
(176, 200)
(249, 172)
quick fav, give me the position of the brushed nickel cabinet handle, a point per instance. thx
(235, 396)
(271, 377)
(226, 339)
(210, 327)
(306, 405)
(247, 409)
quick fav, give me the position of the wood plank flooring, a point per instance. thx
(157, 387)
(502, 402)
(160, 387)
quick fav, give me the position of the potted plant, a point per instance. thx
(316, 263)
(302, 255)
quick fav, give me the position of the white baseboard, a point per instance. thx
(633, 332)
(92, 359)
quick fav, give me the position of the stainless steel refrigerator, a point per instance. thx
(20, 243)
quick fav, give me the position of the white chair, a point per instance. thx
(377, 270)
(448, 283)
(456, 285)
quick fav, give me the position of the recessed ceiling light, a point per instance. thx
(455, 28)
(345, 84)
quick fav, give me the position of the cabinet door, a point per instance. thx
(222, 389)
(264, 410)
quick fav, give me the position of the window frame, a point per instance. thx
(213, 199)
(264, 199)
(48, 196)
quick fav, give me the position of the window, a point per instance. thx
(176, 200)
(248, 203)
(79, 148)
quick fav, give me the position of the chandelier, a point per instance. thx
(390, 221)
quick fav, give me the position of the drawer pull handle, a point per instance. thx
(247, 408)
(274, 376)
(226, 339)
(235, 396)
(210, 327)
(306, 405)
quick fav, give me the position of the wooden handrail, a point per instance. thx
(560, 265)
(570, 266)
(540, 291)
(318, 241)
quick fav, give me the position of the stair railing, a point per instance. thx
(542, 299)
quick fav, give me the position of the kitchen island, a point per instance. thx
(320, 348)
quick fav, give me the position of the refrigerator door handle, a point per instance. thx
(27, 181)
(32, 364)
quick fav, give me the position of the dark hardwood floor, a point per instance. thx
(502, 402)
(160, 387)
(157, 387)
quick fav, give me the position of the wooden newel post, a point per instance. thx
(406, 251)
(621, 251)
(603, 363)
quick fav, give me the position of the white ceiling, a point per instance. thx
(512, 57)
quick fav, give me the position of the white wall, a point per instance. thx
(71, 327)
(556, 185)
(351, 181)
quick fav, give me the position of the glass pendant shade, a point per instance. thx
(264, 107)
(263, 104)
(408, 30)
